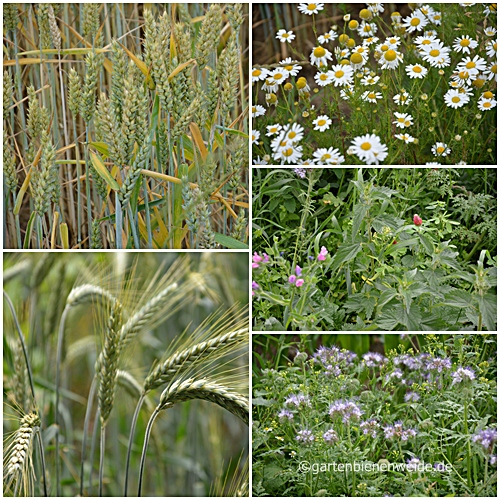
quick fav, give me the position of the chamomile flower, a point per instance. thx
(278, 75)
(322, 123)
(347, 92)
(271, 99)
(273, 129)
(330, 156)
(490, 31)
(310, 8)
(464, 76)
(258, 110)
(290, 65)
(390, 59)
(259, 161)
(369, 148)
(371, 96)
(259, 74)
(294, 133)
(393, 42)
(464, 44)
(285, 36)
(417, 21)
(491, 48)
(427, 10)
(435, 18)
(455, 99)
(270, 86)
(366, 30)
(375, 7)
(255, 136)
(405, 137)
(359, 56)
(370, 41)
(440, 149)
(320, 56)
(395, 17)
(486, 104)
(370, 80)
(341, 53)
(416, 71)
(403, 120)
(290, 154)
(491, 71)
(302, 85)
(323, 78)
(327, 37)
(436, 54)
(422, 41)
(341, 75)
(490, 9)
(477, 63)
(280, 142)
(402, 99)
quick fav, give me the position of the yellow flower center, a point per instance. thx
(488, 95)
(495, 46)
(365, 14)
(311, 6)
(289, 68)
(256, 72)
(470, 65)
(278, 76)
(426, 42)
(285, 35)
(434, 52)
(288, 86)
(384, 48)
(343, 38)
(478, 83)
(366, 146)
(283, 143)
(437, 17)
(356, 58)
(367, 29)
(494, 69)
(401, 120)
(326, 156)
(301, 82)
(253, 138)
(371, 95)
(390, 55)
(339, 73)
(415, 21)
(465, 42)
(463, 75)
(407, 123)
(321, 122)
(292, 135)
(353, 24)
(392, 40)
(440, 149)
(288, 152)
(351, 43)
(323, 77)
(319, 52)
(487, 104)
(417, 69)
(273, 129)
(455, 99)
(327, 36)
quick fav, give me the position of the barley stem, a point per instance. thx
(130, 440)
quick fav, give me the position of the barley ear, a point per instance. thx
(209, 34)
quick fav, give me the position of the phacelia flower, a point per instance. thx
(285, 415)
(412, 397)
(486, 438)
(305, 436)
(370, 427)
(463, 374)
(330, 436)
(298, 400)
(348, 410)
(417, 220)
(373, 359)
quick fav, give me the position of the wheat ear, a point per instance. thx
(164, 372)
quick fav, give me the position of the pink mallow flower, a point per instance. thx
(292, 278)
(299, 282)
(417, 220)
(323, 253)
(257, 259)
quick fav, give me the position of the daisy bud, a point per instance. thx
(417, 220)
(347, 17)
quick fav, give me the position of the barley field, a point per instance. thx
(125, 374)
(125, 126)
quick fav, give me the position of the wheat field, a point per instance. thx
(125, 126)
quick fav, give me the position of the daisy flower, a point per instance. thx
(369, 149)
(327, 37)
(359, 56)
(455, 99)
(370, 41)
(405, 137)
(371, 96)
(270, 86)
(423, 40)
(279, 142)
(435, 18)
(370, 80)
(291, 154)
(278, 75)
(285, 36)
(416, 71)
(271, 99)
(464, 77)
(417, 21)
(273, 129)
(440, 149)
(491, 72)
(259, 161)
(403, 120)
(393, 42)
(478, 64)
(290, 65)
(390, 59)
(302, 85)
(490, 31)
(486, 104)
(320, 56)
(330, 156)
(341, 75)
(366, 30)
(323, 79)
(255, 136)
(464, 44)
(294, 133)
(258, 110)
(259, 74)
(375, 7)
(347, 92)
(427, 10)
(395, 17)
(436, 54)
(403, 98)
(490, 9)
(491, 48)
(322, 123)
(341, 53)
(310, 8)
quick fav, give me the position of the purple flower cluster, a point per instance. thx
(412, 396)
(298, 400)
(305, 436)
(334, 359)
(463, 374)
(348, 410)
(330, 436)
(486, 438)
(438, 364)
(285, 415)
(255, 286)
(257, 260)
(374, 359)
(300, 172)
(370, 427)
(397, 431)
